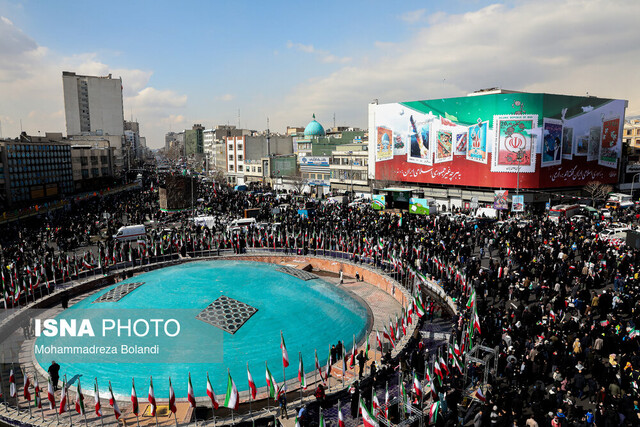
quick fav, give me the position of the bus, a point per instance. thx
(563, 211)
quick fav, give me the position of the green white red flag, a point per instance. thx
(232, 398)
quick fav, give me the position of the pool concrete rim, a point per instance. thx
(292, 384)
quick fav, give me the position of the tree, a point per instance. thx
(297, 182)
(597, 190)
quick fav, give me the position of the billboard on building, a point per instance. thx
(517, 203)
(500, 200)
(314, 161)
(418, 206)
(378, 202)
(488, 140)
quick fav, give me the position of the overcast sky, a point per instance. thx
(219, 62)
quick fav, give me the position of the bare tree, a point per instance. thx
(597, 190)
(297, 182)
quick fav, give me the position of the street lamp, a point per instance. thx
(519, 157)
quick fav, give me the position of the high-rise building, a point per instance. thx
(93, 105)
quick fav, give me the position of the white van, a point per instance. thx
(206, 221)
(487, 213)
(130, 232)
(242, 223)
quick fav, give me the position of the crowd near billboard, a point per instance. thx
(487, 140)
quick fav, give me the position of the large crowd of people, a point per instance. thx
(558, 302)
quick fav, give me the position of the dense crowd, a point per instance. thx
(558, 302)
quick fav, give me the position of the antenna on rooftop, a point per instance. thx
(334, 119)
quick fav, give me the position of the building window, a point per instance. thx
(230, 147)
(231, 168)
(231, 157)
(239, 147)
(85, 173)
(239, 168)
(239, 157)
(259, 169)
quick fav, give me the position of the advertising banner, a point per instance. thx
(314, 161)
(444, 147)
(567, 143)
(515, 147)
(609, 147)
(420, 143)
(477, 143)
(418, 206)
(551, 142)
(378, 202)
(500, 200)
(484, 141)
(517, 203)
(384, 149)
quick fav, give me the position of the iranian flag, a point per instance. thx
(375, 403)
(379, 340)
(419, 307)
(231, 399)
(25, 389)
(368, 419)
(51, 396)
(472, 299)
(433, 412)
(37, 401)
(134, 398)
(352, 359)
(318, 368)
(114, 403)
(252, 385)
(172, 398)
(327, 372)
(476, 320)
(79, 400)
(63, 398)
(443, 365)
(151, 397)
(96, 396)
(285, 355)
(191, 397)
(386, 402)
(480, 395)
(272, 385)
(321, 424)
(340, 417)
(211, 394)
(416, 385)
(403, 395)
(301, 372)
(12, 384)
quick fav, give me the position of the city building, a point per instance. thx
(34, 170)
(93, 106)
(631, 136)
(460, 151)
(214, 146)
(315, 149)
(194, 141)
(92, 165)
(349, 169)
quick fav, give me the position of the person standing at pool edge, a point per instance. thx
(54, 372)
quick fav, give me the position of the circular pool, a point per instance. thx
(230, 313)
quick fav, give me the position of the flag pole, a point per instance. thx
(302, 376)
(16, 389)
(268, 391)
(101, 420)
(250, 393)
(35, 375)
(4, 399)
(329, 371)
(284, 376)
(66, 393)
(28, 402)
(232, 421)
(154, 397)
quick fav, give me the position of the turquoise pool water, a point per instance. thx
(312, 315)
